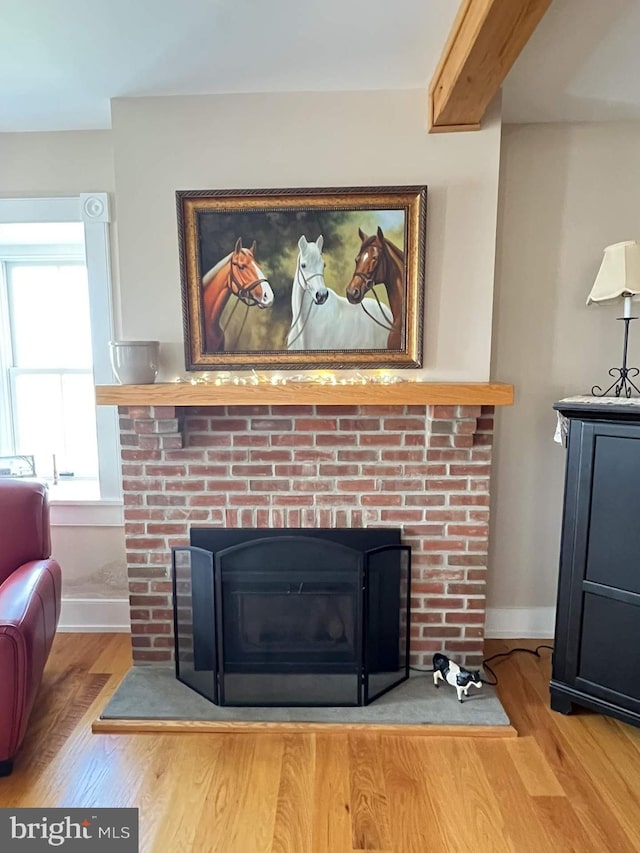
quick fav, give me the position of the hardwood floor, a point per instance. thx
(566, 784)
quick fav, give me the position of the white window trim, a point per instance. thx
(92, 209)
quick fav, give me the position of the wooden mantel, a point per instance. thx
(313, 394)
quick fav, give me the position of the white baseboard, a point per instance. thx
(526, 622)
(95, 615)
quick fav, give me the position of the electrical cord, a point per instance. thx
(485, 663)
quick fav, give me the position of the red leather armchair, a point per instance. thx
(30, 591)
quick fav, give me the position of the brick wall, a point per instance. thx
(423, 469)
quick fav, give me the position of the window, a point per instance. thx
(44, 296)
(55, 324)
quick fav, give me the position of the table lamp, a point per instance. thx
(619, 278)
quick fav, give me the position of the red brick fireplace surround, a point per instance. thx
(422, 468)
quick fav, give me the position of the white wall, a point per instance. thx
(50, 164)
(566, 191)
(64, 164)
(310, 139)
(92, 560)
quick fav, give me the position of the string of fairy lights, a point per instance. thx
(323, 377)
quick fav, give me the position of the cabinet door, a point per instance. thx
(598, 623)
(613, 540)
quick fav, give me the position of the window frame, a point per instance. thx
(92, 210)
(37, 255)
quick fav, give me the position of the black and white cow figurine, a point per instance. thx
(445, 669)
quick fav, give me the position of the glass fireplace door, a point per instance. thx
(285, 623)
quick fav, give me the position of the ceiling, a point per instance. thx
(61, 61)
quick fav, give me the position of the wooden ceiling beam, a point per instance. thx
(486, 39)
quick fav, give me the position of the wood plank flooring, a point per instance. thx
(566, 784)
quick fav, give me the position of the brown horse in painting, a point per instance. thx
(237, 275)
(379, 261)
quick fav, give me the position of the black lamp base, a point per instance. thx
(622, 385)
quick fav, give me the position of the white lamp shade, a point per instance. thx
(619, 273)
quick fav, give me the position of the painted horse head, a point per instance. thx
(369, 263)
(310, 269)
(236, 274)
(246, 279)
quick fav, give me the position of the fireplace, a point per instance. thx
(424, 469)
(292, 617)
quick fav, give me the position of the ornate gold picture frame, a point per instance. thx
(302, 278)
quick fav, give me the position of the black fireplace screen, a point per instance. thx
(292, 619)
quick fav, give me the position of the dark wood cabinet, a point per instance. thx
(596, 662)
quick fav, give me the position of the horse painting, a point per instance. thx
(237, 275)
(321, 319)
(379, 261)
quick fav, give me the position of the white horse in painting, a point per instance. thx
(322, 319)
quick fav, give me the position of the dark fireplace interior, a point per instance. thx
(292, 617)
